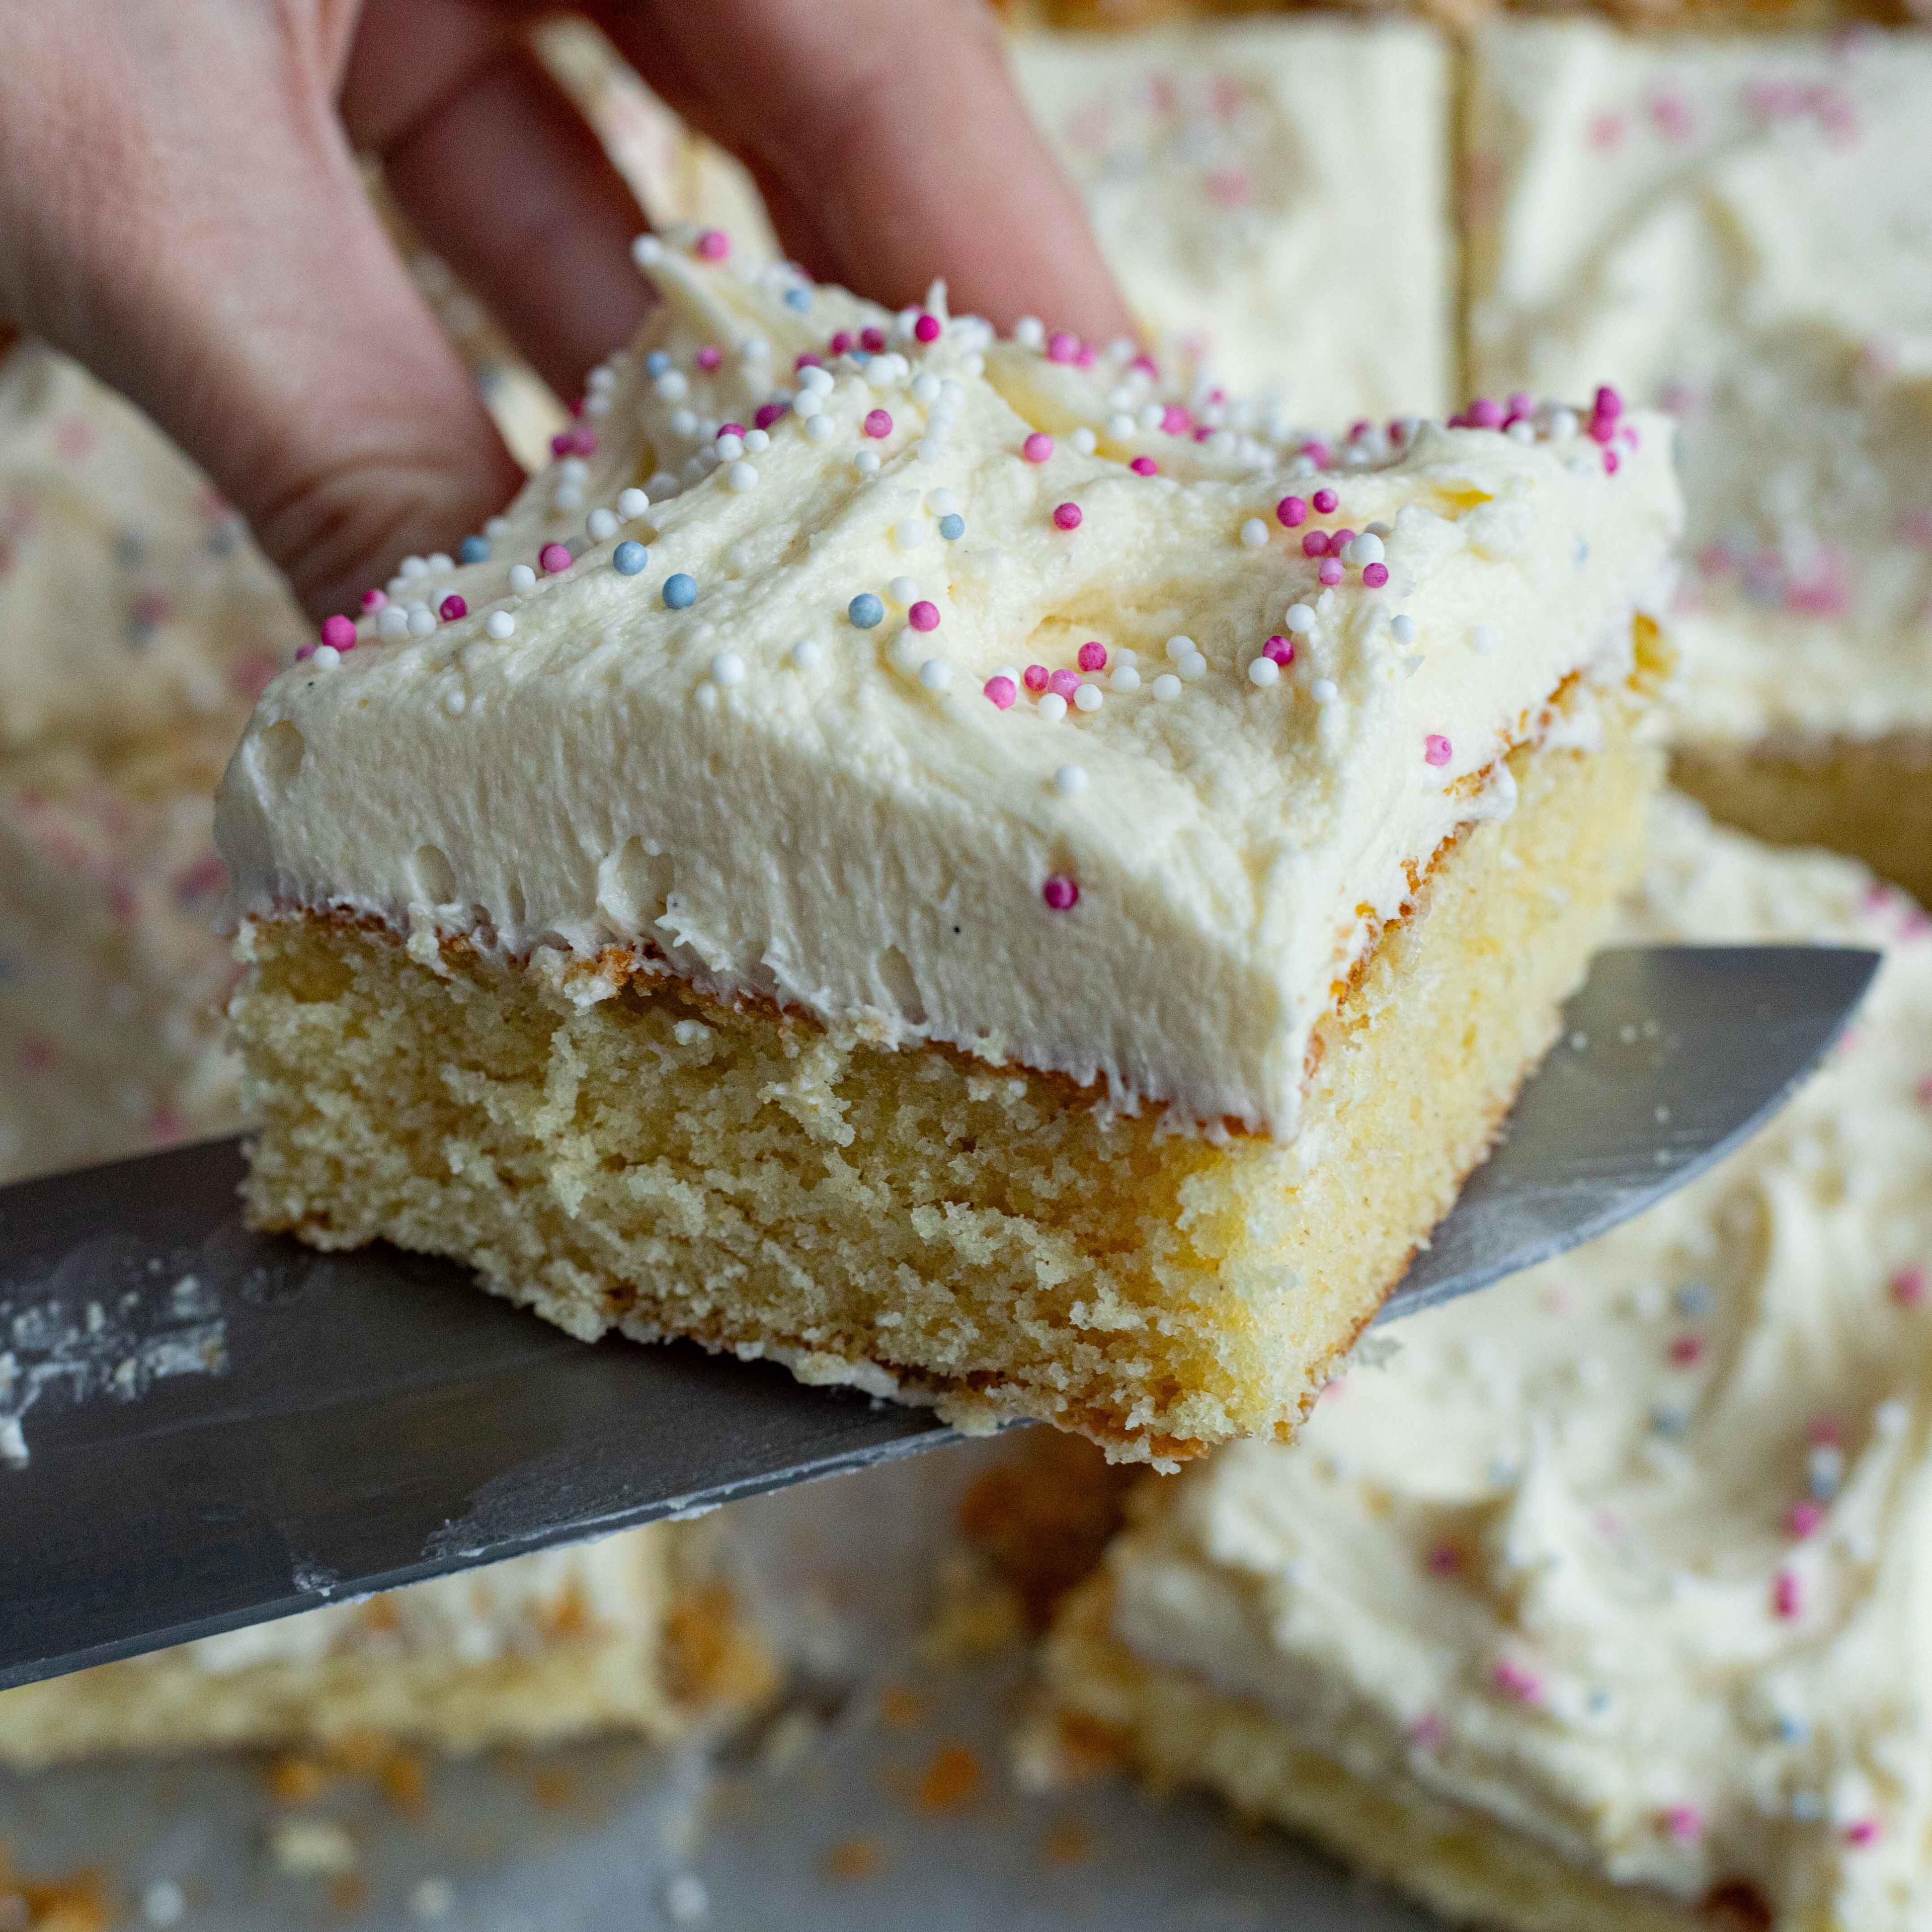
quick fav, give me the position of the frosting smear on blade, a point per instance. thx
(960, 690)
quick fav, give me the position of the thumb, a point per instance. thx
(209, 251)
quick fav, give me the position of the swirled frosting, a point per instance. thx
(908, 700)
(1632, 1553)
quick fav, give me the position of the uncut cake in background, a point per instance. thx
(898, 864)
(1603, 1598)
(1737, 229)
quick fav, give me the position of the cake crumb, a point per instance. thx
(952, 1780)
(312, 1848)
(854, 1858)
(900, 1707)
(77, 1902)
(293, 1779)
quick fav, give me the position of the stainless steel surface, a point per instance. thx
(207, 1428)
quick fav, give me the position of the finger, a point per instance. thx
(501, 177)
(898, 125)
(195, 231)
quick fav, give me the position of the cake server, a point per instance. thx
(201, 1427)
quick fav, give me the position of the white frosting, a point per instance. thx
(1534, 1559)
(1272, 197)
(837, 817)
(611, 1588)
(1740, 229)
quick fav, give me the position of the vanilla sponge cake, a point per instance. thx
(1737, 229)
(1229, 170)
(1604, 1599)
(895, 863)
(626, 1634)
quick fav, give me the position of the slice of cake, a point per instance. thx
(1603, 1600)
(1232, 172)
(893, 863)
(631, 1634)
(1736, 229)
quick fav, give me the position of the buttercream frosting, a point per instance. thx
(1739, 229)
(1273, 198)
(786, 735)
(1633, 1552)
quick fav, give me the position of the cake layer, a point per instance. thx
(1735, 229)
(839, 738)
(1228, 171)
(606, 1144)
(1610, 1583)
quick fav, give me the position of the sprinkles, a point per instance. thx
(1037, 448)
(865, 610)
(554, 557)
(629, 558)
(1067, 516)
(1060, 893)
(680, 591)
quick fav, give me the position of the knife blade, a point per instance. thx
(203, 1427)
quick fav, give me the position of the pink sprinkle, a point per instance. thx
(1611, 462)
(452, 608)
(1522, 402)
(1291, 512)
(339, 631)
(1317, 453)
(1002, 691)
(713, 245)
(374, 600)
(1805, 1519)
(1445, 1559)
(1375, 575)
(709, 356)
(1144, 466)
(1338, 539)
(1067, 516)
(1922, 1092)
(1784, 1593)
(1175, 421)
(1862, 1831)
(1278, 650)
(1331, 571)
(1436, 749)
(1035, 677)
(1038, 447)
(1093, 655)
(1485, 412)
(1602, 429)
(1060, 892)
(304, 652)
(926, 328)
(1325, 501)
(1684, 1823)
(804, 359)
(1144, 364)
(1826, 1429)
(1515, 1681)
(1083, 357)
(768, 413)
(878, 423)
(1686, 1350)
(1314, 544)
(1061, 347)
(1202, 431)
(1606, 130)
(730, 429)
(1063, 684)
(872, 341)
(841, 343)
(1608, 403)
(1429, 1732)
(1908, 1287)
(554, 557)
(924, 616)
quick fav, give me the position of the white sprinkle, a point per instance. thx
(1368, 548)
(163, 1904)
(707, 696)
(1052, 707)
(729, 447)
(1030, 332)
(903, 590)
(754, 348)
(1890, 1417)
(421, 622)
(807, 654)
(1006, 671)
(810, 403)
(456, 703)
(646, 251)
(1563, 424)
(743, 476)
(1089, 698)
(1254, 533)
(1482, 640)
(684, 422)
(1124, 677)
(324, 657)
(812, 377)
(523, 578)
(432, 1898)
(671, 385)
(1124, 656)
(1150, 415)
(662, 485)
(601, 524)
(1083, 440)
(936, 674)
(1167, 685)
(728, 667)
(1264, 671)
(818, 428)
(499, 624)
(1192, 667)
(908, 535)
(1521, 430)
(632, 503)
(757, 442)
(1402, 627)
(441, 560)
(685, 1901)
(1120, 426)
(1300, 620)
(1069, 780)
(1179, 647)
(866, 463)
(1323, 691)
(413, 566)
(570, 495)
(942, 503)
(393, 623)
(926, 388)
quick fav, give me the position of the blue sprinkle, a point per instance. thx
(1599, 1702)
(1693, 1300)
(680, 592)
(474, 550)
(628, 558)
(952, 526)
(1671, 1422)
(657, 362)
(861, 356)
(798, 299)
(1790, 1730)
(865, 610)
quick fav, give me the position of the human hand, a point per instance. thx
(180, 208)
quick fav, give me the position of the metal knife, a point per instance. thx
(201, 1427)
